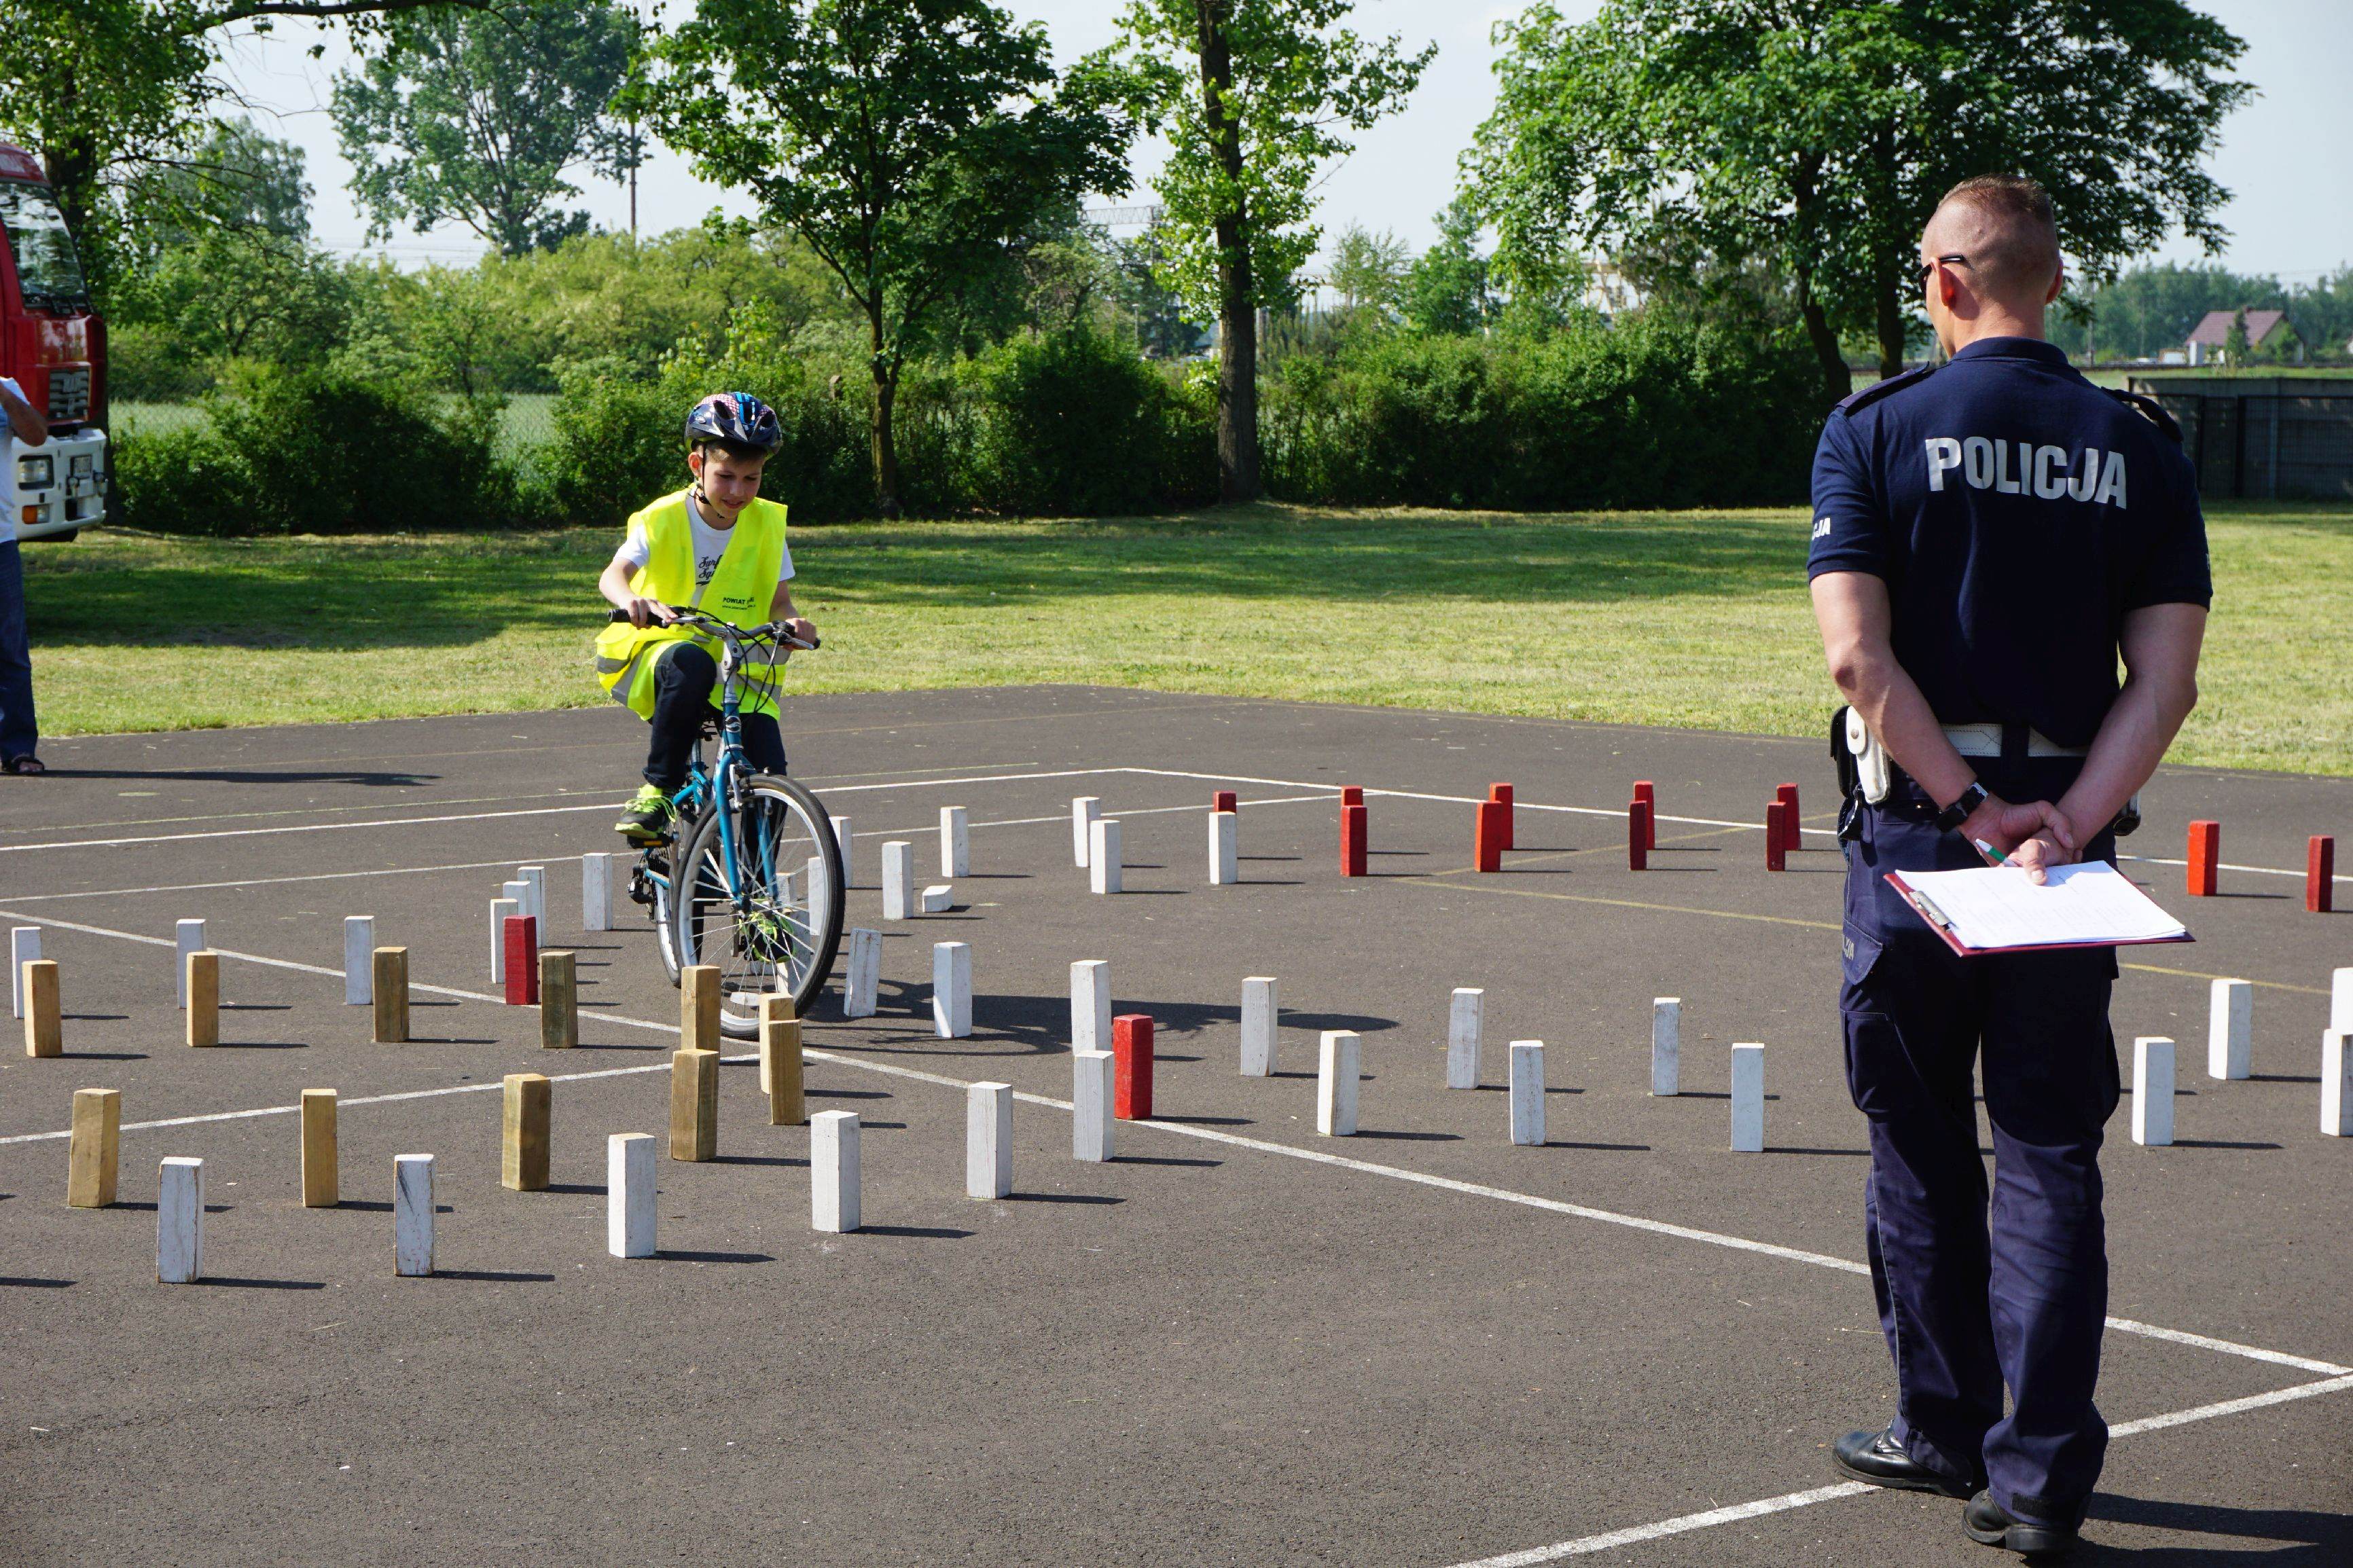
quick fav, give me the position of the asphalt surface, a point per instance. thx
(1213, 1350)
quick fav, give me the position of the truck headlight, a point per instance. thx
(36, 473)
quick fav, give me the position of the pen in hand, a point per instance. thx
(1994, 856)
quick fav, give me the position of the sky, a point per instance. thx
(2291, 212)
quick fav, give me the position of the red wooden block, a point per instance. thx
(1224, 800)
(1776, 836)
(1638, 836)
(522, 960)
(1352, 794)
(2320, 874)
(1131, 1067)
(1494, 830)
(1649, 796)
(1501, 794)
(2205, 858)
(1793, 836)
(1354, 825)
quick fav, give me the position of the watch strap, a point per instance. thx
(1953, 816)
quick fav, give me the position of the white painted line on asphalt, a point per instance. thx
(1586, 1545)
(1209, 1134)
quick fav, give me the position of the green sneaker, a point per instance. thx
(646, 818)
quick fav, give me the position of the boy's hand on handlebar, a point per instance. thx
(643, 613)
(801, 629)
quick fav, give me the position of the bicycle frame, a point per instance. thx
(717, 784)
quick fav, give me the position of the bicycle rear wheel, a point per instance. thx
(771, 921)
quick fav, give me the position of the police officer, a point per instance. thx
(1990, 536)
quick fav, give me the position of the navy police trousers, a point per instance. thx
(1974, 1296)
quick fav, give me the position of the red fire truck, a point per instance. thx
(54, 346)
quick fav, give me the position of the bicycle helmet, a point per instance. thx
(733, 419)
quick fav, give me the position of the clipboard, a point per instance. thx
(1998, 908)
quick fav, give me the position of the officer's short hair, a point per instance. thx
(2020, 247)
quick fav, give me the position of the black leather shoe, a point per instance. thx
(1877, 1458)
(1990, 1524)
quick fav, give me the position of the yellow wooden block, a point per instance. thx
(771, 1009)
(559, 1000)
(693, 1105)
(698, 1007)
(780, 1067)
(97, 1143)
(522, 1163)
(43, 1037)
(321, 1177)
(391, 996)
(204, 997)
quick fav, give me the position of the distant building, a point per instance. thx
(2209, 340)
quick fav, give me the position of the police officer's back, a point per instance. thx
(1989, 537)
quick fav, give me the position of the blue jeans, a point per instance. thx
(19, 733)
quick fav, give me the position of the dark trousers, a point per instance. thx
(683, 680)
(20, 733)
(1979, 1290)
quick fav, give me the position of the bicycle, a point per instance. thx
(753, 854)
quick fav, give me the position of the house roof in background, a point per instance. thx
(2215, 330)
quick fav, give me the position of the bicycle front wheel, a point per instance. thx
(757, 893)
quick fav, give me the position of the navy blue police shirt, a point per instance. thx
(2017, 513)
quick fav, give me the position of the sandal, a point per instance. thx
(25, 766)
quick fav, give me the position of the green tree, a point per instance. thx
(1254, 96)
(906, 142)
(1446, 290)
(1369, 269)
(1818, 135)
(476, 116)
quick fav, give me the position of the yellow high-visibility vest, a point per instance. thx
(741, 591)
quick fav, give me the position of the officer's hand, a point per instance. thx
(2005, 826)
(649, 611)
(2039, 854)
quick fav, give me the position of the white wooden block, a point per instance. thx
(951, 989)
(2152, 1122)
(1104, 863)
(1223, 852)
(955, 843)
(1465, 1018)
(180, 1221)
(1666, 1045)
(1338, 1067)
(2340, 999)
(1527, 1092)
(865, 978)
(795, 890)
(501, 909)
(833, 1171)
(1090, 1104)
(2337, 1083)
(534, 899)
(359, 960)
(841, 843)
(1259, 1014)
(24, 948)
(989, 1140)
(1085, 810)
(897, 879)
(1748, 1099)
(1091, 1005)
(938, 899)
(518, 889)
(629, 1194)
(596, 890)
(820, 898)
(412, 1215)
(2229, 1029)
(191, 935)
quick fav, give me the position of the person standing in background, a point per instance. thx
(20, 731)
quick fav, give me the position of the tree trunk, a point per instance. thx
(1836, 381)
(1886, 289)
(886, 397)
(1236, 289)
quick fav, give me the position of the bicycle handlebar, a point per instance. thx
(730, 632)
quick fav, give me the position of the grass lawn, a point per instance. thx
(1686, 618)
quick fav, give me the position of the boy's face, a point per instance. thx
(728, 483)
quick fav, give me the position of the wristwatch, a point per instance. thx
(1953, 816)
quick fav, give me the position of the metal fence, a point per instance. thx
(2261, 440)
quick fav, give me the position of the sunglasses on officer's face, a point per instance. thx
(1929, 268)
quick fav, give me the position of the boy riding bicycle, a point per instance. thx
(715, 547)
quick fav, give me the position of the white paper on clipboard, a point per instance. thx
(1999, 908)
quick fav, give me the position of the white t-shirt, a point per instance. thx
(710, 543)
(8, 515)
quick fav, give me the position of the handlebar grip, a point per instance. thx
(618, 616)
